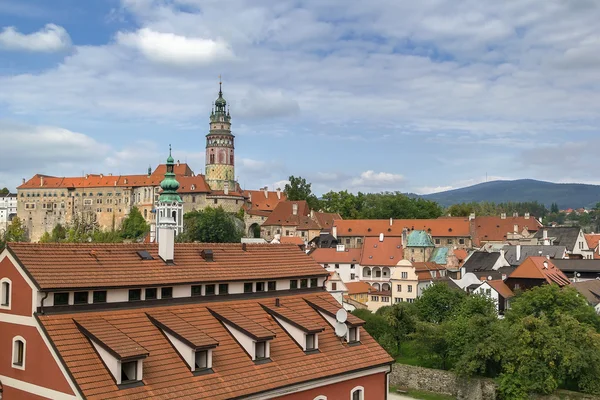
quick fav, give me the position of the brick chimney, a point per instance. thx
(266, 190)
(295, 208)
(278, 193)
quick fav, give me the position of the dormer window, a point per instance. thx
(261, 350)
(311, 342)
(353, 334)
(201, 360)
(129, 372)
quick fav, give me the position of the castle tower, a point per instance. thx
(169, 210)
(220, 158)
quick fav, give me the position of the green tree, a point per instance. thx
(299, 189)
(402, 318)
(211, 225)
(554, 208)
(134, 227)
(82, 228)
(439, 302)
(59, 233)
(16, 231)
(4, 191)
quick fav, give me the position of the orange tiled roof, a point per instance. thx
(332, 256)
(298, 241)
(495, 229)
(592, 240)
(192, 184)
(326, 220)
(540, 268)
(167, 376)
(358, 287)
(283, 213)
(180, 169)
(111, 338)
(90, 181)
(428, 266)
(262, 200)
(461, 254)
(501, 287)
(328, 305)
(181, 329)
(441, 227)
(386, 253)
(91, 265)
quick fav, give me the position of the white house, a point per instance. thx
(345, 262)
(8, 209)
(498, 291)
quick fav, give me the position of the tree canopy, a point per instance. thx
(486, 208)
(4, 191)
(134, 227)
(15, 232)
(299, 189)
(211, 225)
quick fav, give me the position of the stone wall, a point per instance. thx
(445, 382)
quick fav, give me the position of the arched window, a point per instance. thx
(366, 272)
(174, 215)
(320, 398)
(212, 158)
(5, 293)
(18, 356)
(358, 393)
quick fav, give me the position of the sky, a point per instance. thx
(380, 95)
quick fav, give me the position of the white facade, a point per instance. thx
(8, 209)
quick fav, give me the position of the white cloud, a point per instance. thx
(52, 38)
(432, 189)
(172, 49)
(374, 179)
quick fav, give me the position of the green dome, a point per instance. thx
(169, 185)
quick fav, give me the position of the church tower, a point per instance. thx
(220, 159)
(169, 218)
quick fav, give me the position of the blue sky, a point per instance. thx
(380, 95)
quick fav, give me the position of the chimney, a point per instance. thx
(545, 237)
(381, 237)
(226, 188)
(277, 302)
(101, 176)
(503, 216)
(41, 181)
(250, 197)
(391, 222)
(207, 255)
(243, 246)
(312, 214)
(23, 181)
(278, 193)
(545, 264)
(334, 231)
(266, 190)
(295, 208)
(178, 163)
(471, 216)
(516, 215)
(166, 239)
(515, 228)
(526, 215)
(518, 252)
(404, 237)
(502, 253)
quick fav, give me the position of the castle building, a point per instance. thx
(45, 201)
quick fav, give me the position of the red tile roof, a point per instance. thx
(332, 256)
(111, 338)
(283, 213)
(441, 227)
(592, 240)
(298, 241)
(358, 287)
(423, 270)
(192, 184)
(461, 254)
(261, 200)
(386, 253)
(329, 306)
(228, 315)
(181, 329)
(495, 229)
(92, 265)
(499, 286)
(326, 220)
(540, 268)
(167, 376)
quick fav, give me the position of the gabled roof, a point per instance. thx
(358, 287)
(111, 338)
(496, 229)
(302, 321)
(326, 220)
(461, 254)
(510, 252)
(590, 289)
(241, 322)
(419, 239)
(481, 261)
(329, 306)
(499, 286)
(386, 253)
(441, 227)
(167, 376)
(424, 270)
(332, 256)
(540, 268)
(283, 214)
(264, 200)
(95, 265)
(561, 235)
(192, 184)
(191, 335)
(592, 239)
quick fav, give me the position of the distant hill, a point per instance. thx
(566, 195)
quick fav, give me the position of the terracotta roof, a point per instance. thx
(299, 320)
(180, 169)
(192, 184)
(358, 287)
(167, 376)
(326, 220)
(292, 240)
(283, 213)
(111, 338)
(305, 223)
(499, 286)
(228, 315)
(332, 256)
(441, 227)
(461, 254)
(386, 253)
(592, 240)
(328, 305)
(540, 268)
(230, 193)
(261, 200)
(496, 229)
(90, 181)
(92, 265)
(428, 266)
(181, 329)
(382, 293)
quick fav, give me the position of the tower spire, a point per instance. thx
(220, 91)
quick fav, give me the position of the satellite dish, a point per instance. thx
(341, 315)
(341, 329)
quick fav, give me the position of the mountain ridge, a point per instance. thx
(566, 195)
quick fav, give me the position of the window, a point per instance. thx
(223, 288)
(333, 286)
(303, 283)
(287, 233)
(377, 273)
(151, 294)
(409, 288)
(405, 275)
(260, 286)
(337, 266)
(352, 266)
(135, 294)
(260, 350)
(357, 393)
(197, 290)
(310, 341)
(61, 299)
(129, 371)
(166, 293)
(488, 292)
(398, 299)
(399, 288)
(201, 360)
(347, 241)
(353, 334)
(314, 282)
(437, 241)
(99, 296)
(410, 300)
(461, 241)
(374, 298)
(248, 287)
(5, 293)
(450, 241)
(293, 284)
(272, 285)
(80, 298)
(215, 201)
(209, 290)
(19, 352)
